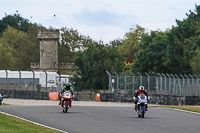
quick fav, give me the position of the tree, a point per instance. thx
(131, 41)
(6, 58)
(149, 57)
(93, 63)
(71, 41)
(116, 42)
(195, 62)
(21, 47)
(170, 51)
(14, 21)
(182, 43)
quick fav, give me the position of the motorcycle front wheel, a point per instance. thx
(142, 112)
(66, 107)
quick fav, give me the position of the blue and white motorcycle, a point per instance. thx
(142, 102)
(1, 99)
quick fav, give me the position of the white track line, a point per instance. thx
(33, 122)
(182, 110)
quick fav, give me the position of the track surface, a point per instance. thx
(88, 119)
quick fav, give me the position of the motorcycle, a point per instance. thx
(66, 101)
(142, 102)
(1, 99)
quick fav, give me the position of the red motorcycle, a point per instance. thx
(66, 101)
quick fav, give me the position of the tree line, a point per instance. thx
(175, 51)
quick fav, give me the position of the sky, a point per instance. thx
(104, 20)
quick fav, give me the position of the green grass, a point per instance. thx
(184, 107)
(9, 124)
(3, 104)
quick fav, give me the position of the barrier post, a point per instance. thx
(19, 80)
(117, 82)
(148, 81)
(46, 81)
(109, 80)
(6, 79)
(125, 81)
(133, 81)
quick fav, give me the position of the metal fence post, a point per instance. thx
(160, 82)
(125, 81)
(46, 81)
(158, 92)
(133, 81)
(117, 82)
(109, 79)
(148, 81)
(6, 79)
(19, 80)
(165, 82)
(169, 82)
(187, 82)
(174, 83)
(33, 79)
(33, 82)
(178, 83)
(197, 85)
(183, 84)
(140, 79)
(192, 85)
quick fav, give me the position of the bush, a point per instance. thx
(38, 87)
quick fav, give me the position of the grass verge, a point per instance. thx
(3, 104)
(9, 124)
(184, 107)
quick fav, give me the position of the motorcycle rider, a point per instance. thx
(139, 91)
(1, 94)
(67, 87)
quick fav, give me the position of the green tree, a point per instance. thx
(71, 41)
(116, 42)
(6, 58)
(93, 63)
(195, 62)
(14, 21)
(149, 57)
(182, 43)
(131, 41)
(170, 51)
(21, 47)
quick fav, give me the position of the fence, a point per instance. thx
(156, 83)
(29, 80)
(24, 84)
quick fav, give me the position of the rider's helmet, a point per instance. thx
(141, 88)
(68, 86)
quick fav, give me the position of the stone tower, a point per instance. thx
(48, 49)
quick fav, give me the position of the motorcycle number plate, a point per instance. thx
(142, 100)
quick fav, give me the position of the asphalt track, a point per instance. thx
(94, 119)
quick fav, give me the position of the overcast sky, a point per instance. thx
(101, 19)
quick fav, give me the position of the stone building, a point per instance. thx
(48, 50)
